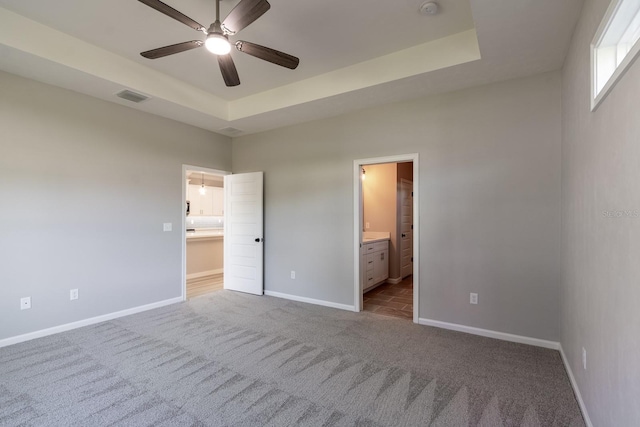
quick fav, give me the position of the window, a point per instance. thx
(614, 47)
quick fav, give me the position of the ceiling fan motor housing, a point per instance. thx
(215, 28)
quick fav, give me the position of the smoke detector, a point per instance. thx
(429, 8)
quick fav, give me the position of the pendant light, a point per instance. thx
(202, 190)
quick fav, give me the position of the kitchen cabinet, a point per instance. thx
(201, 204)
(209, 204)
(218, 200)
(375, 260)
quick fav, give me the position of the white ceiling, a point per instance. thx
(352, 54)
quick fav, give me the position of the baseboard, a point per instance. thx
(205, 273)
(491, 334)
(576, 390)
(394, 281)
(86, 322)
(310, 300)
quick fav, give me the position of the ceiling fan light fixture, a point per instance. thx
(202, 190)
(217, 44)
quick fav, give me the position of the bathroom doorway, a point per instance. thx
(385, 248)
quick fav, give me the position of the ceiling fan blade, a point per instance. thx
(268, 54)
(244, 14)
(172, 13)
(228, 70)
(170, 50)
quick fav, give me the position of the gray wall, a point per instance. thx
(85, 186)
(489, 201)
(600, 295)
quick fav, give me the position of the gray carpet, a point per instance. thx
(240, 360)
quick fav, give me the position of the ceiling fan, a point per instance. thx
(217, 41)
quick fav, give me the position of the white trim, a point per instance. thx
(310, 300)
(576, 390)
(205, 273)
(394, 281)
(186, 168)
(86, 322)
(631, 56)
(357, 235)
(357, 225)
(491, 334)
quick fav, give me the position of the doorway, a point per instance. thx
(203, 227)
(386, 238)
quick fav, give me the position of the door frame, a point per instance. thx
(357, 225)
(186, 168)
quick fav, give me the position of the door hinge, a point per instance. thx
(411, 259)
(412, 226)
(412, 194)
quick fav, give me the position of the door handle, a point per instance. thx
(258, 240)
(404, 235)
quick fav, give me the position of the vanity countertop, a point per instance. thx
(375, 236)
(373, 240)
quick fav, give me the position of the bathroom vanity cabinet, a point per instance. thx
(375, 263)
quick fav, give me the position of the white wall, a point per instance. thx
(85, 186)
(490, 201)
(600, 295)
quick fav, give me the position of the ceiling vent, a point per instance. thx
(132, 96)
(230, 130)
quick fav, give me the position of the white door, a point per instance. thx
(406, 228)
(243, 233)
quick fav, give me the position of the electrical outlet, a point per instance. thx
(167, 226)
(473, 298)
(584, 359)
(293, 274)
(366, 226)
(73, 294)
(25, 303)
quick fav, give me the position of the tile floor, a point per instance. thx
(391, 300)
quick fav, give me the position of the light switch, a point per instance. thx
(166, 226)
